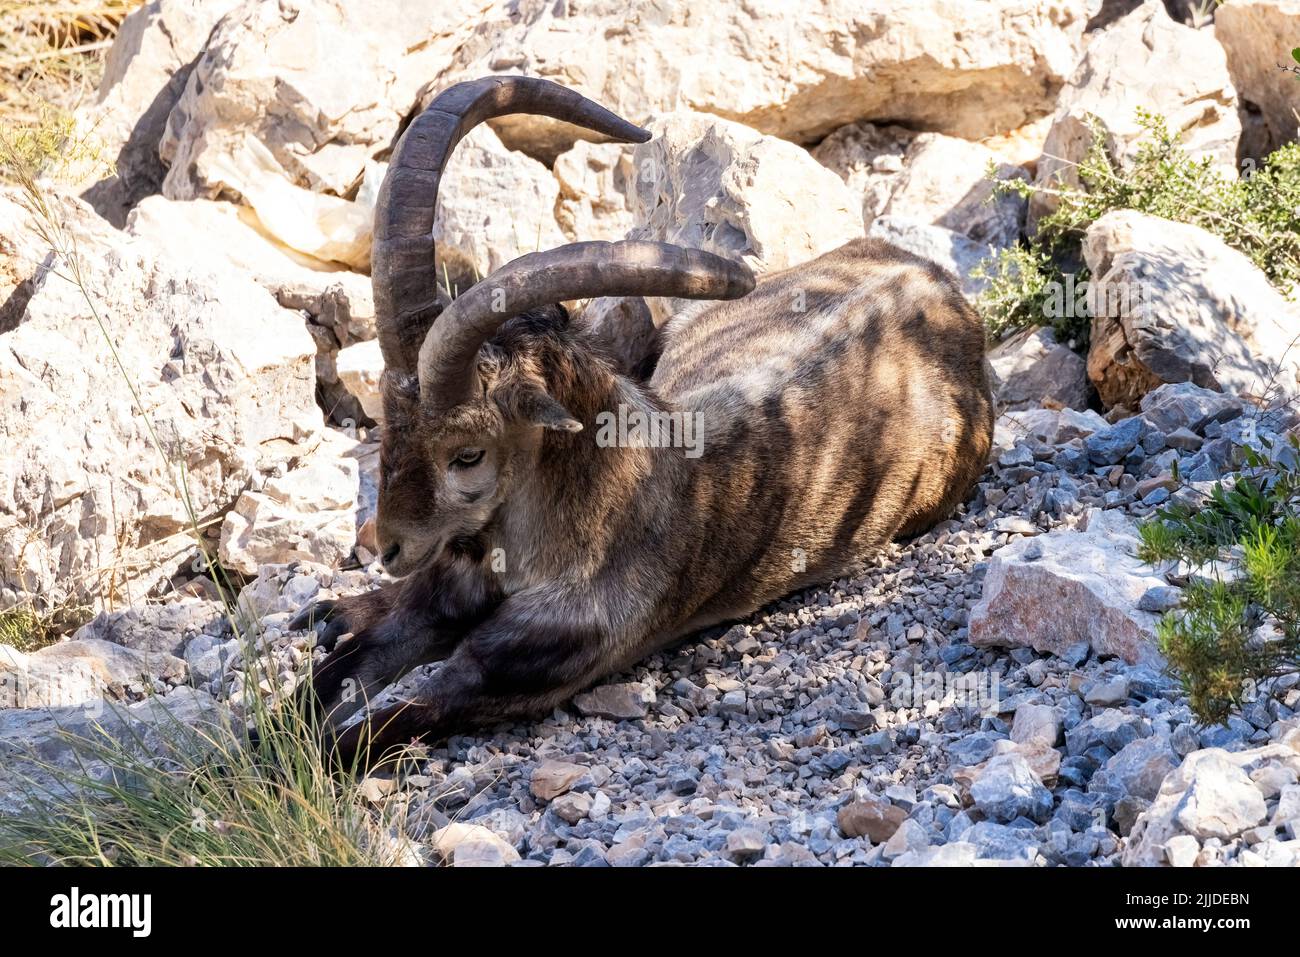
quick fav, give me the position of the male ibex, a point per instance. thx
(843, 403)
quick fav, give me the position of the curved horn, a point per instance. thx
(576, 271)
(407, 298)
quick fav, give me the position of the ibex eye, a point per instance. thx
(467, 457)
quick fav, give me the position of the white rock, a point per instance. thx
(224, 375)
(1181, 305)
(964, 69)
(144, 73)
(1181, 850)
(945, 181)
(1032, 369)
(289, 101)
(1142, 60)
(1210, 795)
(308, 513)
(595, 182)
(1083, 587)
(1053, 426)
(472, 845)
(494, 205)
(715, 185)
(359, 367)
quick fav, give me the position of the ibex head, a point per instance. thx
(469, 386)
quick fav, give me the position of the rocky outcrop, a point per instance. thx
(170, 388)
(1175, 304)
(145, 72)
(960, 69)
(1143, 60)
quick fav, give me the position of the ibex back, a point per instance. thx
(544, 535)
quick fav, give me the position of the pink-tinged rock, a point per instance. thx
(1052, 591)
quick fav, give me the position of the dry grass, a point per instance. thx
(52, 54)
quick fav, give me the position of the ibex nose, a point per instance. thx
(390, 554)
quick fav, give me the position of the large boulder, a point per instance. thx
(1173, 303)
(959, 68)
(144, 73)
(74, 672)
(1052, 592)
(1143, 60)
(715, 185)
(1257, 36)
(945, 181)
(289, 101)
(165, 389)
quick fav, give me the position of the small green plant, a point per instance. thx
(1239, 623)
(197, 795)
(22, 628)
(1258, 214)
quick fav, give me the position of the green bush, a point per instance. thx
(1239, 623)
(1258, 214)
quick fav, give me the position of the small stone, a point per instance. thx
(870, 818)
(1036, 722)
(1108, 693)
(1181, 850)
(624, 702)
(745, 844)
(572, 807)
(1008, 788)
(552, 778)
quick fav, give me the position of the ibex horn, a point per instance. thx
(448, 357)
(405, 282)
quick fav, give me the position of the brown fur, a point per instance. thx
(844, 403)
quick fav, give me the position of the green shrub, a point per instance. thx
(1258, 214)
(1239, 623)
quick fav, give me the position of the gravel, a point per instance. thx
(826, 729)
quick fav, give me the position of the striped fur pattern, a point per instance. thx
(841, 404)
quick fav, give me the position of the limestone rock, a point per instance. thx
(1141, 60)
(1180, 305)
(1052, 591)
(944, 181)
(595, 200)
(308, 513)
(963, 69)
(715, 185)
(224, 377)
(869, 158)
(1031, 369)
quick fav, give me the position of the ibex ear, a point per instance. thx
(537, 406)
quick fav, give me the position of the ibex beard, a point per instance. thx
(845, 400)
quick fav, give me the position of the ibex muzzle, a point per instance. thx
(835, 406)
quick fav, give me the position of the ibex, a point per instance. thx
(841, 403)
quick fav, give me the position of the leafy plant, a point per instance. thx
(1239, 624)
(1258, 214)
